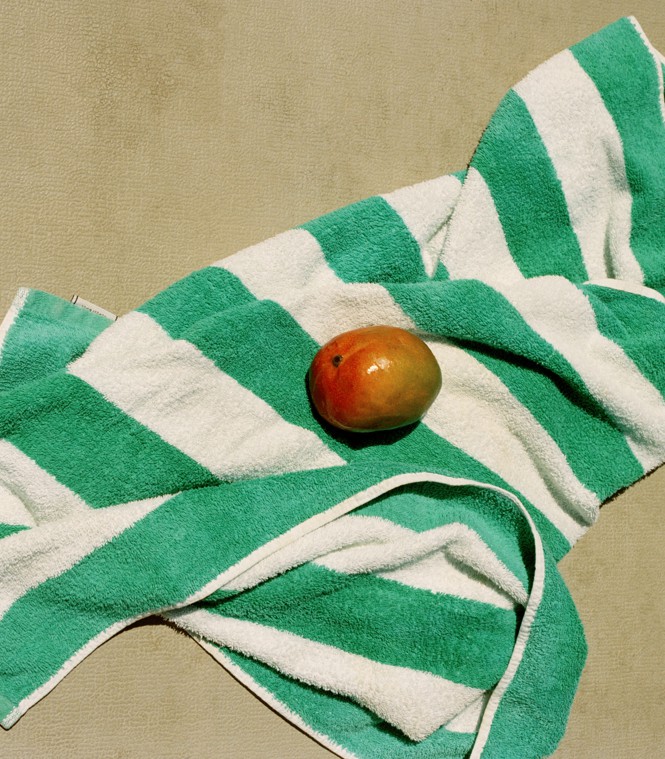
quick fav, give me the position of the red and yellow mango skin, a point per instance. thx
(374, 378)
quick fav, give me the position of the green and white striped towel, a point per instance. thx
(395, 595)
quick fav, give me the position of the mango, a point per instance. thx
(373, 378)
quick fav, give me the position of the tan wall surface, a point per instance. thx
(142, 139)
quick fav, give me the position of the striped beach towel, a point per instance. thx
(393, 594)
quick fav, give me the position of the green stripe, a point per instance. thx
(262, 347)
(621, 66)
(628, 320)
(47, 333)
(346, 723)
(370, 241)
(527, 194)
(427, 505)
(385, 621)
(5, 707)
(201, 294)
(107, 457)
(10, 529)
(546, 679)
(441, 273)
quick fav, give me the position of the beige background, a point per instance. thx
(140, 140)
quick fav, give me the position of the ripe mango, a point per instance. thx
(373, 378)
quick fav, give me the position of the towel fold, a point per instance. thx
(395, 594)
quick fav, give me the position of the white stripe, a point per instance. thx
(170, 387)
(40, 496)
(584, 145)
(439, 573)
(477, 413)
(475, 246)
(449, 559)
(12, 509)
(292, 270)
(425, 209)
(10, 317)
(415, 702)
(469, 720)
(425, 206)
(297, 276)
(30, 557)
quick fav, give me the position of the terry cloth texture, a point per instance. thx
(395, 595)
